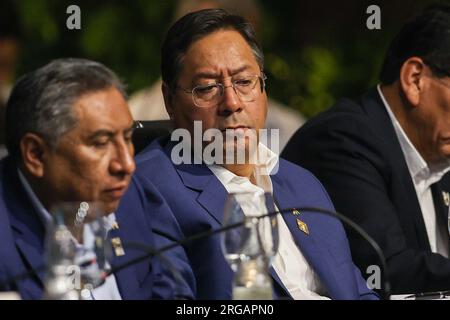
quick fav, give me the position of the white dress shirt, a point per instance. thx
(423, 176)
(108, 290)
(289, 263)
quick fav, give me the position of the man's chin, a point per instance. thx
(110, 207)
(104, 207)
(444, 152)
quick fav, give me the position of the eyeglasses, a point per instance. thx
(209, 95)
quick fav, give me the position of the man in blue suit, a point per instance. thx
(69, 140)
(212, 71)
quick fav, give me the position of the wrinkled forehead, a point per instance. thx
(106, 109)
(219, 54)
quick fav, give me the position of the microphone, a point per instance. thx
(150, 252)
(385, 285)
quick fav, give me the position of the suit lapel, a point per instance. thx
(317, 256)
(280, 283)
(28, 231)
(126, 280)
(374, 107)
(212, 194)
(129, 279)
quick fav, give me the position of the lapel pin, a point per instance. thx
(274, 222)
(446, 197)
(117, 246)
(295, 212)
(302, 226)
(115, 226)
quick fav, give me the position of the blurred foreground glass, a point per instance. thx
(251, 244)
(76, 252)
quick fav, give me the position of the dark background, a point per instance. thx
(316, 51)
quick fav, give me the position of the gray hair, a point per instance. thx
(41, 101)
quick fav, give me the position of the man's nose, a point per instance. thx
(123, 162)
(230, 101)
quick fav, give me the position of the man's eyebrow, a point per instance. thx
(101, 132)
(207, 75)
(240, 69)
(215, 75)
(109, 133)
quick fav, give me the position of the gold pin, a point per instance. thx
(295, 212)
(446, 198)
(117, 245)
(302, 226)
(115, 226)
(274, 222)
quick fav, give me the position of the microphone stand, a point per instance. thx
(150, 252)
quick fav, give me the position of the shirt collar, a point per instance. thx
(267, 160)
(417, 166)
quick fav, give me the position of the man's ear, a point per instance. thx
(167, 94)
(33, 149)
(412, 79)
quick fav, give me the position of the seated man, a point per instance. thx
(212, 71)
(384, 158)
(69, 140)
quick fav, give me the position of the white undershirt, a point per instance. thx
(423, 177)
(289, 263)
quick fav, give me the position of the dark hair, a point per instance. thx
(428, 37)
(194, 26)
(41, 101)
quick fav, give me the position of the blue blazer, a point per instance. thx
(22, 243)
(197, 198)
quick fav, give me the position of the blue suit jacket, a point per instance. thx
(22, 243)
(197, 199)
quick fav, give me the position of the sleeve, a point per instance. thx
(348, 158)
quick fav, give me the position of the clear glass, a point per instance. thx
(77, 254)
(246, 88)
(251, 244)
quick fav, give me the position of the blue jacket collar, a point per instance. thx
(27, 228)
(317, 256)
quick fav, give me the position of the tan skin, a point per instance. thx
(218, 57)
(421, 104)
(91, 162)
